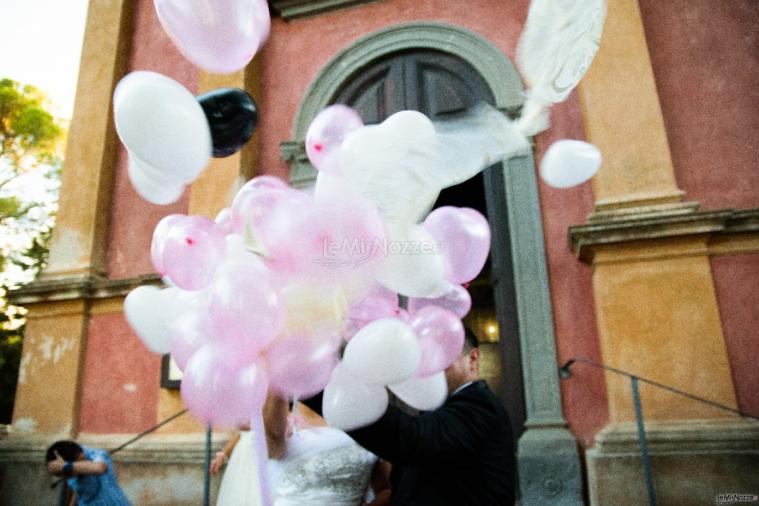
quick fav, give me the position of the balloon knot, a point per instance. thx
(189, 241)
(466, 285)
(318, 147)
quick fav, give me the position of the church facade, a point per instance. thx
(651, 269)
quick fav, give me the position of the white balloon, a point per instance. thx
(408, 125)
(329, 187)
(162, 124)
(151, 190)
(385, 351)
(425, 394)
(150, 310)
(414, 264)
(402, 164)
(569, 163)
(350, 404)
(154, 173)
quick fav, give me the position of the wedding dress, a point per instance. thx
(240, 484)
(321, 466)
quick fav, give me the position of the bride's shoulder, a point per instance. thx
(322, 438)
(312, 440)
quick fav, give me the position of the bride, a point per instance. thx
(309, 464)
(312, 464)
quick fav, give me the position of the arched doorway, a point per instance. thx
(436, 83)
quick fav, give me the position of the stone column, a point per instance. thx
(623, 118)
(654, 293)
(79, 243)
(47, 397)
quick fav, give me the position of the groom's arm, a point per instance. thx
(456, 430)
(275, 413)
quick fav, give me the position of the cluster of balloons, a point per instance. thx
(299, 293)
(268, 294)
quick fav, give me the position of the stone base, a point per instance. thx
(692, 462)
(549, 468)
(161, 471)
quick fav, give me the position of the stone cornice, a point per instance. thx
(734, 434)
(87, 287)
(294, 9)
(584, 238)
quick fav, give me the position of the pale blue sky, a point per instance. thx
(40, 44)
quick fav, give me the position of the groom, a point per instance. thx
(459, 454)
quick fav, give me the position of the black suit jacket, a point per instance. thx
(460, 454)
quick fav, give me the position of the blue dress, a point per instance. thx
(98, 489)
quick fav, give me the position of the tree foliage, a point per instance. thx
(28, 132)
(31, 141)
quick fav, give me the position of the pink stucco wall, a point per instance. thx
(132, 218)
(705, 56)
(121, 379)
(736, 281)
(584, 394)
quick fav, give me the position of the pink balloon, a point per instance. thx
(192, 329)
(327, 132)
(191, 249)
(335, 242)
(220, 390)
(465, 235)
(457, 300)
(260, 182)
(403, 315)
(220, 36)
(381, 302)
(159, 240)
(263, 209)
(183, 346)
(300, 366)
(441, 338)
(245, 307)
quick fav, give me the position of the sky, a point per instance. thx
(40, 44)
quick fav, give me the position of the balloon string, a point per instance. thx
(262, 456)
(294, 418)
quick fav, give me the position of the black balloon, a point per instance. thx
(232, 115)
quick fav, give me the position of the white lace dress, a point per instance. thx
(321, 466)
